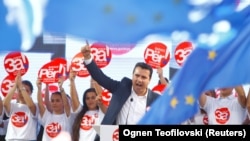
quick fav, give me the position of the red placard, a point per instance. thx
(52, 71)
(15, 62)
(106, 97)
(115, 135)
(159, 88)
(157, 55)
(101, 53)
(7, 84)
(182, 51)
(78, 66)
(64, 69)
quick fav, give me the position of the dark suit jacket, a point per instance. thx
(121, 90)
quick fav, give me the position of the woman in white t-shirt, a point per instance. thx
(89, 114)
(23, 113)
(59, 119)
(226, 109)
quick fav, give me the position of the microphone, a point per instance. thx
(131, 100)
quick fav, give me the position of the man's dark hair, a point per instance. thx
(144, 66)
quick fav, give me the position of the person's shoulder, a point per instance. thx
(126, 80)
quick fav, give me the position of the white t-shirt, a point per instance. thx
(222, 111)
(92, 117)
(53, 124)
(22, 123)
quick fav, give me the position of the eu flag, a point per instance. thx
(225, 64)
(128, 21)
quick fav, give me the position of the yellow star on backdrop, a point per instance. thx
(176, 1)
(131, 19)
(108, 9)
(174, 102)
(158, 17)
(190, 100)
(211, 55)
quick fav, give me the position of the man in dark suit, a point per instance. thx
(130, 97)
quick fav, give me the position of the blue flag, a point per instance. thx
(128, 21)
(224, 65)
(115, 21)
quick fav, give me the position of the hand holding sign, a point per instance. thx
(100, 53)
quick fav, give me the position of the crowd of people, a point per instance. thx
(25, 120)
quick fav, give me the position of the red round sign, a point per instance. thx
(101, 53)
(115, 135)
(78, 66)
(87, 122)
(159, 88)
(53, 129)
(7, 84)
(106, 97)
(15, 62)
(52, 71)
(63, 67)
(182, 51)
(19, 119)
(157, 55)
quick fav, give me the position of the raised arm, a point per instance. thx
(39, 97)
(98, 90)
(162, 79)
(27, 97)
(64, 97)
(241, 96)
(203, 99)
(47, 98)
(73, 91)
(8, 97)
